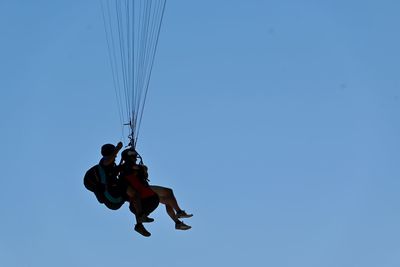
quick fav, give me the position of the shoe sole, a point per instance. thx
(183, 229)
(185, 216)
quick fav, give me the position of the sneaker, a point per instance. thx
(145, 219)
(141, 230)
(182, 226)
(183, 214)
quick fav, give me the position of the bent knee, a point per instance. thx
(169, 191)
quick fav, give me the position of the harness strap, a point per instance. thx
(103, 180)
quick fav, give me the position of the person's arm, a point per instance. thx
(144, 172)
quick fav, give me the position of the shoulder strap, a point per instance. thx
(102, 174)
(103, 180)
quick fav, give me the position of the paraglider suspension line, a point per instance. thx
(131, 136)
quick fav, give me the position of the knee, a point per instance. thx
(169, 191)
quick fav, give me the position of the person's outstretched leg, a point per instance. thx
(167, 198)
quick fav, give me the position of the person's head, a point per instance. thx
(108, 150)
(129, 155)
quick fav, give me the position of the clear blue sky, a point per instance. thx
(276, 123)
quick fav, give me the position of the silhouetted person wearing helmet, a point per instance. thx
(102, 180)
(165, 195)
(145, 200)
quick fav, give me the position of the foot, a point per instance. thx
(141, 230)
(182, 226)
(145, 219)
(183, 214)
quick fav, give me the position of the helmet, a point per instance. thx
(107, 150)
(129, 153)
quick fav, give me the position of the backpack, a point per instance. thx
(96, 181)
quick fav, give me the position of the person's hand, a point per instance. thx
(119, 145)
